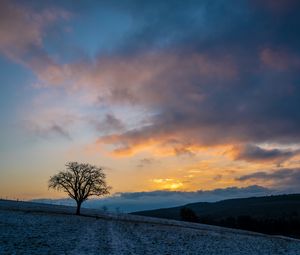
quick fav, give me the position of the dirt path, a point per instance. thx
(107, 237)
(87, 241)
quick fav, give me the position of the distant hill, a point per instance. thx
(270, 214)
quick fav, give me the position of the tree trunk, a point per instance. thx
(78, 207)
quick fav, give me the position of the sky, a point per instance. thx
(168, 97)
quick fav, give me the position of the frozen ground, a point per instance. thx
(29, 228)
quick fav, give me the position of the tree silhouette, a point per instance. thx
(80, 181)
(187, 214)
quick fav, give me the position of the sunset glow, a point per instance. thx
(164, 95)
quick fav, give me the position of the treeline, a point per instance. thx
(286, 224)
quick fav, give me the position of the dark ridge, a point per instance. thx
(278, 215)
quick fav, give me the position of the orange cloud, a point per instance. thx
(162, 146)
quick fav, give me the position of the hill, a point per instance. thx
(271, 214)
(32, 228)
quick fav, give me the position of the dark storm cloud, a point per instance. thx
(286, 178)
(213, 72)
(254, 153)
(259, 101)
(209, 25)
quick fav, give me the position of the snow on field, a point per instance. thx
(29, 228)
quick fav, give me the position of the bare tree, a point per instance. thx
(80, 181)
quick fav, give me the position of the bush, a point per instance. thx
(187, 214)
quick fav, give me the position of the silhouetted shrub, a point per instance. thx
(187, 214)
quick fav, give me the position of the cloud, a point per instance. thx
(279, 6)
(136, 201)
(22, 34)
(285, 178)
(145, 162)
(51, 122)
(137, 78)
(59, 130)
(186, 65)
(47, 132)
(253, 153)
(279, 61)
(109, 124)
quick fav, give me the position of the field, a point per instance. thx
(30, 228)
